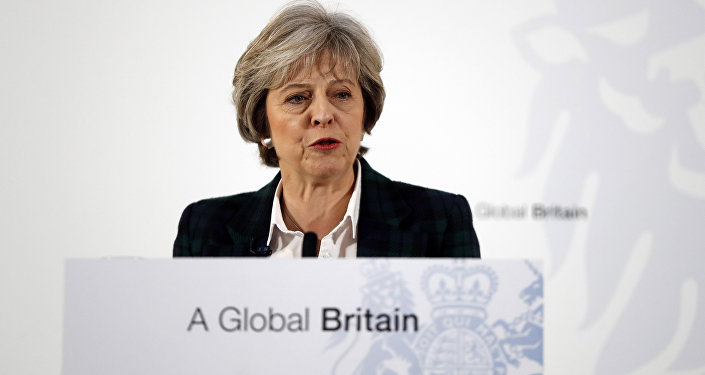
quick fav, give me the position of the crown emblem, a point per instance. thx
(459, 288)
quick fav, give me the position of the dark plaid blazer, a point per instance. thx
(396, 220)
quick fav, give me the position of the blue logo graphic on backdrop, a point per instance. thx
(460, 338)
(624, 96)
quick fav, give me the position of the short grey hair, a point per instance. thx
(297, 38)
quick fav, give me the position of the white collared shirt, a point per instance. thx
(341, 242)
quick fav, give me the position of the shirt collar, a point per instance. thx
(352, 212)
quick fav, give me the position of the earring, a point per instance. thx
(267, 142)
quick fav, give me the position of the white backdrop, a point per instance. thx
(115, 115)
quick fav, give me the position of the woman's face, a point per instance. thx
(315, 122)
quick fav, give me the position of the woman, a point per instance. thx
(307, 89)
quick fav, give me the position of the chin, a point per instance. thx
(330, 168)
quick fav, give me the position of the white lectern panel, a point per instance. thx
(303, 316)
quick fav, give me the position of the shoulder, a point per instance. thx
(227, 207)
(433, 204)
(205, 222)
(416, 191)
(224, 207)
(444, 218)
(210, 226)
(422, 200)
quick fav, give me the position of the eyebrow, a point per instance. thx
(295, 85)
(345, 80)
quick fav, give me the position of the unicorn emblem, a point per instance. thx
(389, 354)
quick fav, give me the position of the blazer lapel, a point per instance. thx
(381, 224)
(249, 227)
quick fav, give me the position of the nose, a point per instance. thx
(321, 113)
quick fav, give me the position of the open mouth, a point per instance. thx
(326, 143)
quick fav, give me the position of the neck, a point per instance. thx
(316, 206)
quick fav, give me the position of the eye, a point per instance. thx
(343, 95)
(296, 99)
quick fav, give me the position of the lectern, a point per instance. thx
(303, 316)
